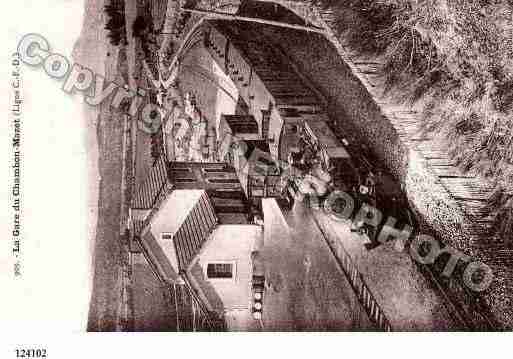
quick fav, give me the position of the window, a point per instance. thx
(166, 236)
(223, 180)
(185, 180)
(226, 194)
(180, 169)
(217, 168)
(221, 270)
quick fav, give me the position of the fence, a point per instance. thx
(199, 317)
(127, 174)
(363, 293)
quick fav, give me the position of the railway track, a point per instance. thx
(297, 100)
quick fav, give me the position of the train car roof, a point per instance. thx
(321, 130)
(337, 152)
(325, 136)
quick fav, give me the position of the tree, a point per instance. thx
(139, 26)
(115, 24)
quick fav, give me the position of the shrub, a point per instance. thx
(140, 26)
(115, 24)
(457, 57)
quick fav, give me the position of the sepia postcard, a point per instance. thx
(257, 166)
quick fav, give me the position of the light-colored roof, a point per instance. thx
(337, 152)
(322, 132)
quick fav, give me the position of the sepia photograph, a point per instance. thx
(269, 165)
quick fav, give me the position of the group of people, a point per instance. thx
(312, 176)
(187, 133)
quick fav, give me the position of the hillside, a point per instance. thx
(454, 59)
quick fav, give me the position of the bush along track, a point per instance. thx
(455, 59)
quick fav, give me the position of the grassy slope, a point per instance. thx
(456, 57)
(91, 51)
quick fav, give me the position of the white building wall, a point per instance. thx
(275, 127)
(232, 243)
(249, 85)
(169, 218)
(255, 94)
(227, 94)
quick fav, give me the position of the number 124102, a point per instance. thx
(30, 353)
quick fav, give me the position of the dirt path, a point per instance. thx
(307, 291)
